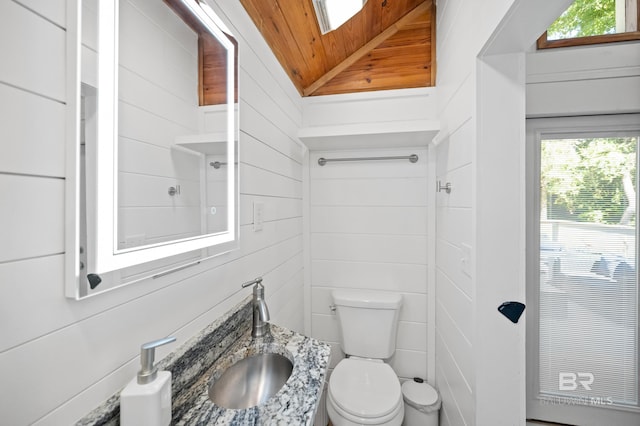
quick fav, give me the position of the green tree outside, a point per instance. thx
(585, 18)
(589, 180)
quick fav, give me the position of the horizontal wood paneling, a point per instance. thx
(454, 212)
(357, 108)
(264, 70)
(412, 336)
(368, 231)
(53, 10)
(145, 95)
(369, 220)
(403, 277)
(92, 346)
(138, 124)
(158, 81)
(274, 208)
(448, 262)
(586, 97)
(256, 125)
(257, 181)
(266, 102)
(454, 224)
(449, 411)
(583, 64)
(33, 214)
(369, 248)
(457, 304)
(30, 41)
(31, 147)
(258, 154)
(82, 339)
(455, 389)
(457, 153)
(451, 336)
(159, 46)
(461, 195)
(370, 192)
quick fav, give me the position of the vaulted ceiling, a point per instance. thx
(389, 44)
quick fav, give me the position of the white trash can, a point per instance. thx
(421, 403)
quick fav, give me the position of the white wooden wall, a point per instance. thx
(367, 221)
(471, 365)
(454, 213)
(599, 79)
(368, 228)
(60, 358)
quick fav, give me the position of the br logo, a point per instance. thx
(571, 381)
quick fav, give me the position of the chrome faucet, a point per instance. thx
(260, 309)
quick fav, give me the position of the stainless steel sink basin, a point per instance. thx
(251, 381)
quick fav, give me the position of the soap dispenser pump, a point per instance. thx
(146, 400)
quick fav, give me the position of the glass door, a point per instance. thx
(582, 336)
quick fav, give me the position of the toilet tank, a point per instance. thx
(368, 322)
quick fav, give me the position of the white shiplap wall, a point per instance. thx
(598, 79)
(367, 221)
(463, 28)
(454, 213)
(479, 357)
(59, 358)
(368, 228)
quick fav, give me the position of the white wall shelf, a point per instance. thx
(393, 134)
(207, 143)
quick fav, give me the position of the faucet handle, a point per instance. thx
(252, 282)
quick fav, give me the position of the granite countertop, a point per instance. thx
(220, 345)
(294, 404)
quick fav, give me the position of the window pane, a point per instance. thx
(588, 349)
(595, 17)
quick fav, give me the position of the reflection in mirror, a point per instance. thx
(173, 147)
(166, 189)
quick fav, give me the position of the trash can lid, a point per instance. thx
(419, 394)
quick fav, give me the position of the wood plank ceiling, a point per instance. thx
(389, 44)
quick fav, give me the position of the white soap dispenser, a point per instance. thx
(146, 400)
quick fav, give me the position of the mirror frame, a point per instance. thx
(103, 254)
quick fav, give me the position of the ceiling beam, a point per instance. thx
(375, 42)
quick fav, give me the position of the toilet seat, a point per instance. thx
(365, 391)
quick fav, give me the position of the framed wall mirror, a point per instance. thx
(153, 161)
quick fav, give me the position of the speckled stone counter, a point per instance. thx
(203, 359)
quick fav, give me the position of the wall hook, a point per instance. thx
(446, 187)
(173, 190)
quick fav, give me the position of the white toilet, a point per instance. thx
(363, 389)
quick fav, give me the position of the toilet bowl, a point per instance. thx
(364, 392)
(363, 389)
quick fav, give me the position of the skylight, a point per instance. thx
(333, 13)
